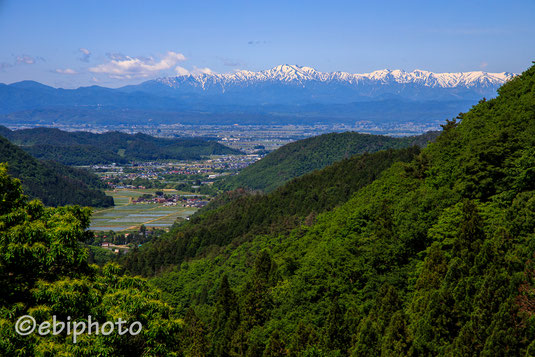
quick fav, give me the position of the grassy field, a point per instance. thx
(128, 216)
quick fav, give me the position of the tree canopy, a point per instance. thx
(434, 256)
(44, 273)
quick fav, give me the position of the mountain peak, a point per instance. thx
(302, 74)
(290, 72)
(286, 67)
(28, 84)
(350, 86)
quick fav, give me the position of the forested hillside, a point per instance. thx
(243, 215)
(44, 273)
(434, 257)
(303, 156)
(51, 182)
(84, 148)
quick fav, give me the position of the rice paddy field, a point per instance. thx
(126, 215)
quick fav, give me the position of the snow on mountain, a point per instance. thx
(302, 75)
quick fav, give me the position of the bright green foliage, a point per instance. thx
(240, 217)
(431, 257)
(428, 256)
(44, 272)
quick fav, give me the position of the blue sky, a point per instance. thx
(113, 43)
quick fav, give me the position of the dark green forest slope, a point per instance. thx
(243, 215)
(303, 156)
(51, 182)
(84, 148)
(434, 257)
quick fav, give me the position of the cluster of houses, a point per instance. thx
(173, 200)
(115, 248)
(132, 187)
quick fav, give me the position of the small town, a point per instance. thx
(143, 175)
(173, 200)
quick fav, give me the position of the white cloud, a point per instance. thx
(117, 56)
(27, 59)
(66, 71)
(126, 67)
(21, 60)
(85, 54)
(181, 71)
(204, 70)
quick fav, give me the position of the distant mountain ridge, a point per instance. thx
(287, 83)
(85, 148)
(430, 255)
(283, 94)
(291, 73)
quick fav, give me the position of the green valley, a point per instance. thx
(267, 178)
(408, 251)
(431, 258)
(303, 156)
(128, 215)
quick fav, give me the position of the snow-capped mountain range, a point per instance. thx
(291, 84)
(302, 75)
(285, 93)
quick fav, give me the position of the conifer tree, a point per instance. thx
(304, 337)
(194, 336)
(226, 319)
(396, 340)
(275, 346)
(335, 334)
(257, 301)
